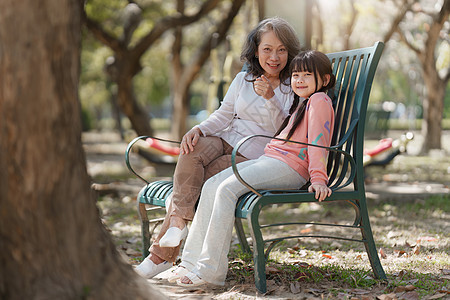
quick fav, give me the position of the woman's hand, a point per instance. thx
(189, 140)
(322, 191)
(263, 87)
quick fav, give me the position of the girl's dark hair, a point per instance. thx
(284, 32)
(318, 64)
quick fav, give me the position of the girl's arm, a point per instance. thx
(320, 116)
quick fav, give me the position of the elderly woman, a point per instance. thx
(257, 102)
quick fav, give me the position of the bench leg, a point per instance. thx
(259, 258)
(145, 232)
(241, 235)
(369, 243)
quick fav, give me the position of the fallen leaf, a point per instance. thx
(272, 270)
(291, 251)
(382, 253)
(359, 292)
(399, 252)
(327, 256)
(303, 253)
(315, 292)
(387, 296)
(400, 289)
(307, 230)
(410, 287)
(392, 234)
(359, 256)
(302, 264)
(295, 288)
(427, 239)
(437, 296)
(411, 296)
(416, 250)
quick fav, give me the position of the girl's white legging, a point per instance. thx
(207, 245)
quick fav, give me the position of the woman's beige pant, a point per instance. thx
(210, 156)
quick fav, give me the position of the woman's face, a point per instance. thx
(272, 54)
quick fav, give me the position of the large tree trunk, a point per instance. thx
(53, 245)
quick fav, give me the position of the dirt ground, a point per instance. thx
(413, 238)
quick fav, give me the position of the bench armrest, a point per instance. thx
(332, 149)
(131, 144)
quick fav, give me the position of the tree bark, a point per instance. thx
(53, 243)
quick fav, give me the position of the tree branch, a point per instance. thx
(408, 43)
(101, 34)
(405, 7)
(170, 22)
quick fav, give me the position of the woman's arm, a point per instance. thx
(221, 118)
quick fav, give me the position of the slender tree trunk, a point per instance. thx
(185, 75)
(140, 120)
(433, 107)
(180, 109)
(53, 243)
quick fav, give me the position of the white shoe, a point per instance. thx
(173, 237)
(195, 280)
(148, 269)
(177, 273)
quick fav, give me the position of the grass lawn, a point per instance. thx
(411, 233)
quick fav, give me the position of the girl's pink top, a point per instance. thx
(315, 128)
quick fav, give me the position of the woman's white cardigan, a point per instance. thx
(243, 113)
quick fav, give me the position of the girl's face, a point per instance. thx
(304, 83)
(272, 54)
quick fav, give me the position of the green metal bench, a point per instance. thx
(354, 70)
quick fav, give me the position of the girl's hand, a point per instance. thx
(263, 87)
(189, 140)
(322, 191)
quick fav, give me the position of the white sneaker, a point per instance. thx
(173, 237)
(148, 269)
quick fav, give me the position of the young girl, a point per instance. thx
(283, 166)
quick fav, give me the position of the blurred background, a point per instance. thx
(159, 67)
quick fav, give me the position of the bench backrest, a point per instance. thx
(354, 71)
